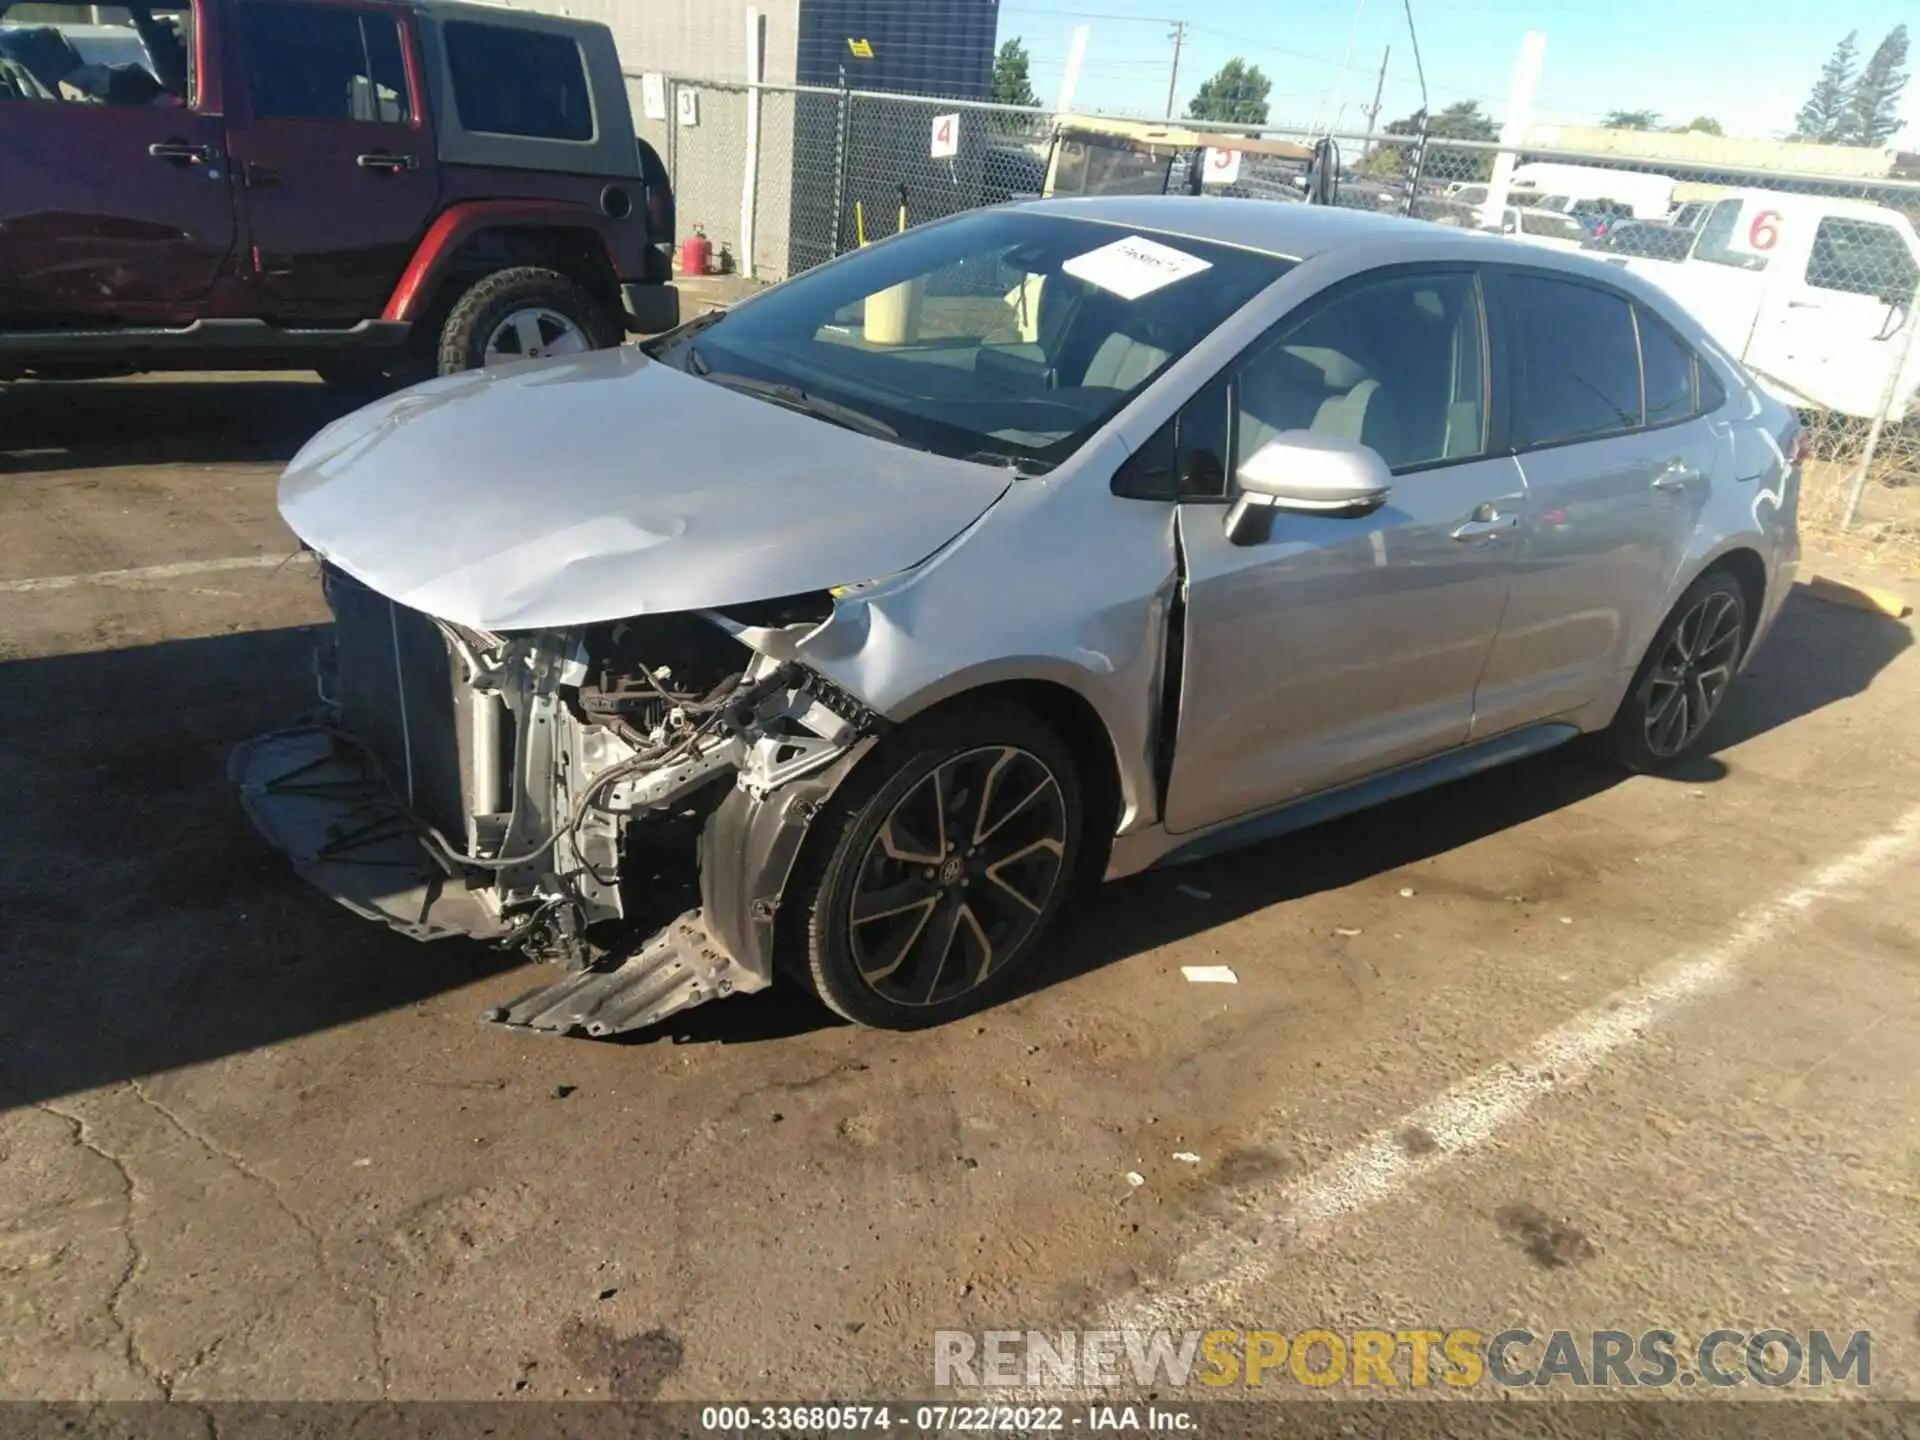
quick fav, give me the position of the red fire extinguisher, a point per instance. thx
(696, 253)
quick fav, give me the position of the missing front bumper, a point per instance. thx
(321, 798)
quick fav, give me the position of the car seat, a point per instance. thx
(43, 52)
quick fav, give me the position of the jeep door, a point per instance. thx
(1330, 648)
(112, 205)
(333, 147)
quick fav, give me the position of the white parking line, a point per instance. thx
(1209, 1279)
(146, 573)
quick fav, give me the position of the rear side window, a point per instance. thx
(1669, 367)
(518, 82)
(1859, 257)
(1577, 369)
(324, 62)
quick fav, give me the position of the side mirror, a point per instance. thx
(1302, 473)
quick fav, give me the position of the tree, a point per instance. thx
(1462, 120)
(1012, 82)
(1873, 117)
(1700, 125)
(1823, 119)
(1630, 120)
(1237, 93)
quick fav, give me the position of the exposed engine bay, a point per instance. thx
(458, 782)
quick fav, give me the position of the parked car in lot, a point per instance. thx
(361, 186)
(1646, 239)
(905, 604)
(1543, 227)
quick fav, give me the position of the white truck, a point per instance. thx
(1816, 296)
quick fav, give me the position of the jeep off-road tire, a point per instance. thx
(1684, 676)
(490, 301)
(932, 877)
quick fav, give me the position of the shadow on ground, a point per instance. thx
(1818, 654)
(144, 926)
(84, 424)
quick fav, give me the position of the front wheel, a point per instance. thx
(937, 869)
(1678, 689)
(526, 313)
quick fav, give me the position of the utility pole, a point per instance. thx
(1379, 87)
(1179, 38)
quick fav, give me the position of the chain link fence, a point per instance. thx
(1811, 279)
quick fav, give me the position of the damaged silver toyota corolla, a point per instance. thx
(1048, 541)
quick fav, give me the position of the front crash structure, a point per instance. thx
(501, 787)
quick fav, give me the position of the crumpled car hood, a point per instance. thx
(568, 492)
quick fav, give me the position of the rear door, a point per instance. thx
(333, 151)
(1618, 462)
(1833, 332)
(110, 210)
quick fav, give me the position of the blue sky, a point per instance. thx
(1749, 69)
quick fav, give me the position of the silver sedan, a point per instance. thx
(1046, 543)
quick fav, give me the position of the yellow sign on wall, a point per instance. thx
(862, 48)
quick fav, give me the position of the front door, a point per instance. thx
(1619, 462)
(1328, 649)
(334, 154)
(114, 205)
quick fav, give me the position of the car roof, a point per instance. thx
(1291, 231)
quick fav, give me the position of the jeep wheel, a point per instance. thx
(523, 314)
(933, 876)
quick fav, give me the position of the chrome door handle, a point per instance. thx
(380, 160)
(178, 150)
(1485, 523)
(1675, 479)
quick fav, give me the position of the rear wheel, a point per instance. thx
(526, 313)
(937, 870)
(1678, 689)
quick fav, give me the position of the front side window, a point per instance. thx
(999, 334)
(73, 53)
(519, 82)
(1577, 366)
(1859, 257)
(1718, 237)
(324, 62)
(1392, 363)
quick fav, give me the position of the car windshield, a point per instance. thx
(1006, 335)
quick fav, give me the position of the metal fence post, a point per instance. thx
(1889, 397)
(840, 139)
(1419, 165)
(750, 178)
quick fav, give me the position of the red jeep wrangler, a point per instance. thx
(369, 188)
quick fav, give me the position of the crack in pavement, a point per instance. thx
(140, 1364)
(376, 1320)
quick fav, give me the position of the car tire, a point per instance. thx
(1694, 657)
(949, 926)
(562, 311)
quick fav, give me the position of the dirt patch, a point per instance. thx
(631, 1367)
(1551, 1244)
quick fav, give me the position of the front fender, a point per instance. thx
(459, 223)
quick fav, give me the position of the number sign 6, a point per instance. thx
(1764, 233)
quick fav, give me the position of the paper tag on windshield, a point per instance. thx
(1134, 266)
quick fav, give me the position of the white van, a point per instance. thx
(1647, 196)
(1816, 295)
